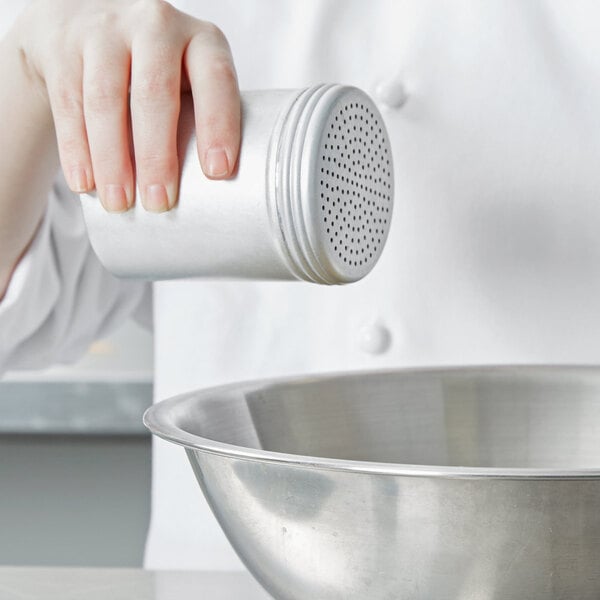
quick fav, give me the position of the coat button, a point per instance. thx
(375, 338)
(391, 93)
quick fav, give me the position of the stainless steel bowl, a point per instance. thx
(456, 484)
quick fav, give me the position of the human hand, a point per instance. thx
(113, 72)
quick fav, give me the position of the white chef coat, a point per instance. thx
(493, 254)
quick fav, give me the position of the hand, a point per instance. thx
(113, 72)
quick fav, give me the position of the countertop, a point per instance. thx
(104, 393)
(74, 407)
(25, 583)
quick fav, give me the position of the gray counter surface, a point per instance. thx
(125, 584)
(74, 407)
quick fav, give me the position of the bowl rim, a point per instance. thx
(159, 420)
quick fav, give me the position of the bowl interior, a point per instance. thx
(490, 417)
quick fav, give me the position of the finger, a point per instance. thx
(217, 108)
(155, 103)
(66, 100)
(105, 84)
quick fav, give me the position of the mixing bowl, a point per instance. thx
(453, 484)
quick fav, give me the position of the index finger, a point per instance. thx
(217, 105)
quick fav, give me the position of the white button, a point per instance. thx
(391, 93)
(375, 338)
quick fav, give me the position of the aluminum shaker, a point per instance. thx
(311, 198)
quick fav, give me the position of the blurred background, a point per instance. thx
(77, 433)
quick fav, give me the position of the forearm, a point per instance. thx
(28, 157)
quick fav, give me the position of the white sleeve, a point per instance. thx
(9, 11)
(60, 298)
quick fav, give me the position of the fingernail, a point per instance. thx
(155, 198)
(172, 194)
(217, 164)
(114, 198)
(78, 180)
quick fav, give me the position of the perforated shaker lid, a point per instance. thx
(343, 208)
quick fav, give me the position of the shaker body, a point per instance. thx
(311, 198)
(217, 228)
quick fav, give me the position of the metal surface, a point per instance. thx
(125, 584)
(454, 484)
(311, 198)
(354, 181)
(76, 500)
(74, 407)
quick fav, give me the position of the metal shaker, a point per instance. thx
(311, 199)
